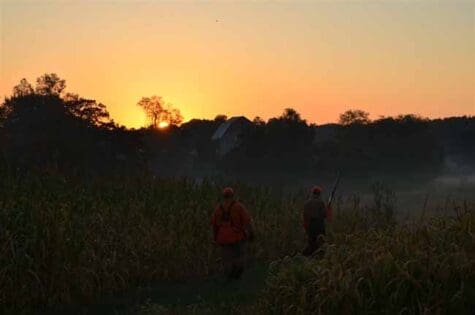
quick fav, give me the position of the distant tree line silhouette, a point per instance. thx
(46, 129)
(43, 128)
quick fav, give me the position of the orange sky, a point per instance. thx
(250, 58)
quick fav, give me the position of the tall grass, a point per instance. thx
(66, 241)
(424, 267)
(371, 265)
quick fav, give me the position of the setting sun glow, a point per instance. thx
(163, 125)
(248, 58)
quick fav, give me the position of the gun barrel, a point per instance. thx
(335, 186)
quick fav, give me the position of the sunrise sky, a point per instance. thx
(250, 58)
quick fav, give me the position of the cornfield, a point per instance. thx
(66, 241)
(423, 268)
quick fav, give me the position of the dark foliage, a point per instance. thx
(405, 144)
(46, 129)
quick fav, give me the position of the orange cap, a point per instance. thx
(316, 190)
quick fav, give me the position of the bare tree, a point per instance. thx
(173, 116)
(354, 116)
(153, 108)
(157, 112)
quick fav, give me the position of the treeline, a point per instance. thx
(389, 146)
(45, 129)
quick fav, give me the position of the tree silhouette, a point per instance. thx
(23, 88)
(172, 116)
(48, 130)
(282, 144)
(411, 118)
(45, 101)
(153, 108)
(50, 84)
(220, 118)
(354, 116)
(291, 115)
(157, 112)
(258, 121)
(88, 110)
(3, 115)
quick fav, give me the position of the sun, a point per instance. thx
(163, 124)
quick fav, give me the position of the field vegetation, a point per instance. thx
(66, 241)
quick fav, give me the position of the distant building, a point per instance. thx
(228, 135)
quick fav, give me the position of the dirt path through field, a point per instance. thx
(209, 291)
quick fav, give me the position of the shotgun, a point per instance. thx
(335, 186)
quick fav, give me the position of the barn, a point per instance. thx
(228, 135)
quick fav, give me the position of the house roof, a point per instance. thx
(221, 131)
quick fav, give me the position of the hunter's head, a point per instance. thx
(228, 193)
(316, 191)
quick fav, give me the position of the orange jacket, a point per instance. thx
(230, 223)
(315, 209)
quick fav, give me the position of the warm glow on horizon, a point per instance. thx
(248, 58)
(163, 124)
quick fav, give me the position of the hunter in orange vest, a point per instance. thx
(232, 229)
